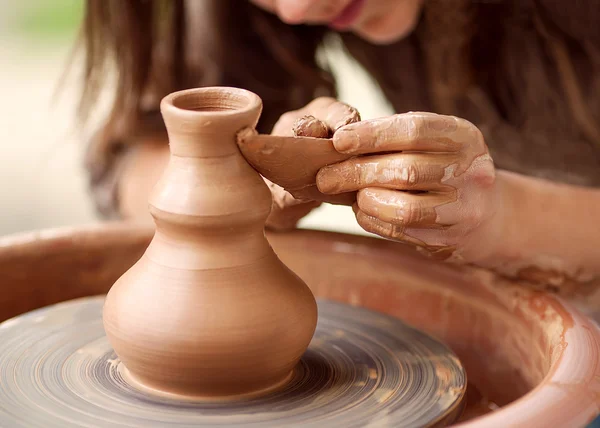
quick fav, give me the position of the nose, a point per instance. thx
(296, 11)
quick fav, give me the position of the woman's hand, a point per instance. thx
(424, 179)
(331, 115)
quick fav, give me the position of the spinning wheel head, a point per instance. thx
(362, 368)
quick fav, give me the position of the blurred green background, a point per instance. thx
(43, 21)
(42, 182)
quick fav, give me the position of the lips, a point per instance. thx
(348, 16)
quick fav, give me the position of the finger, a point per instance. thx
(284, 127)
(371, 224)
(312, 193)
(387, 230)
(403, 209)
(401, 171)
(333, 113)
(422, 132)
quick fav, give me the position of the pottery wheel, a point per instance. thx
(362, 368)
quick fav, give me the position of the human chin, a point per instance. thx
(385, 31)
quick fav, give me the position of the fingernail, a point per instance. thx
(346, 140)
(329, 180)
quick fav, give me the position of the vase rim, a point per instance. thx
(211, 101)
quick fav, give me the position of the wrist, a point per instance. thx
(518, 212)
(492, 241)
(544, 234)
(504, 238)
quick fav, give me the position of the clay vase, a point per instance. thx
(209, 310)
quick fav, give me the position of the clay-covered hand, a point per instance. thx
(331, 113)
(320, 119)
(425, 179)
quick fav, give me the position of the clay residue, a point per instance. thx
(549, 319)
(550, 274)
(373, 374)
(441, 253)
(310, 126)
(557, 282)
(384, 394)
(476, 404)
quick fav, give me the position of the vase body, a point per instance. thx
(209, 310)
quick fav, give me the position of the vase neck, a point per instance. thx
(204, 122)
(207, 184)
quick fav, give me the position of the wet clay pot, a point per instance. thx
(209, 310)
(532, 360)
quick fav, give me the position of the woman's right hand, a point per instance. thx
(287, 211)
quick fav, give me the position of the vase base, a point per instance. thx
(136, 383)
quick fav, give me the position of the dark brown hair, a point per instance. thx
(511, 59)
(155, 52)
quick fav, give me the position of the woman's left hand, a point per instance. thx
(425, 179)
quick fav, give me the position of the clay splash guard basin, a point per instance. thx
(532, 360)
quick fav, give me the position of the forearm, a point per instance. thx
(549, 233)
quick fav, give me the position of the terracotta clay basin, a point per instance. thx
(531, 359)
